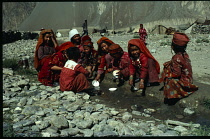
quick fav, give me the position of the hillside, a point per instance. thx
(65, 15)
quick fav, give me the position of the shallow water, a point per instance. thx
(124, 98)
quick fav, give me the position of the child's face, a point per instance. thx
(87, 49)
(135, 51)
(104, 47)
(47, 37)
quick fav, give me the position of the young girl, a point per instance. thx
(103, 49)
(144, 68)
(73, 76)
(177, 73)
(89, 57)
(46, 46)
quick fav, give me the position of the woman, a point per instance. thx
(177, 73)
(50, 72)
(103, 45)
(144, 68)
(46, 46)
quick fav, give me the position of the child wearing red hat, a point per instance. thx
(177, 73)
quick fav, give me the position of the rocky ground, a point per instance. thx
(38, 109)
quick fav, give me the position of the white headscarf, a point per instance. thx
(72, 33)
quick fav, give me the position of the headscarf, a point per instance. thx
(85, 38)
(180, 39)
(88, 43)
(65, 46)
(72, 33)
(114, 48)
(39, 43)
(143, 48)
(104, 39)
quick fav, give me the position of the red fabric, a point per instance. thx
(114, 48)
(65, 46)
(84, 39)
(143, 34)
(180, 39)
(73, 77)
(143, 48)
(104, 39)
(142, 65)
(122, 64)
(47, 76)
(177, 77)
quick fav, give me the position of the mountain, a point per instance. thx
(114, 14)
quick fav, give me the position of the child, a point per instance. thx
(73, 76)
(89, 57)
(177, 73)
(144, 68)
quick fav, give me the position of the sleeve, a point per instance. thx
(126, 63)
(144, 66)
(102, 65)
(81, 69)
(176, 66)
(40, 52)
(132, 68)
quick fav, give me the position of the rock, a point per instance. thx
(180, 129)
(22, 102)
(30, 110)
(84, 124)
(8, 71)
(137, 113)
(162, 127)
(126, 116)
(59, 122)
(86, 97)
(188, 111)
(15, 89)
(87, 132)
(113, 112)
(156, 132)
(42, 124)
(70, 131)
(17, 110)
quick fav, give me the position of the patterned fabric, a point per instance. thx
(140, 65)
(177, 77)
(72, 77)
(122, 64)
(143, 34)
(89, 59)
(47, 76)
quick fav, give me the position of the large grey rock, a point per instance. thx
(30, 110)
(70, 131)
(126, 116)
(85, 124)
(59, 122)
(87, 132)
(42, 124)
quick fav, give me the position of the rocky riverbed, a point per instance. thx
(38, 109)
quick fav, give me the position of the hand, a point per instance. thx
(141, 85)
(131, 82)
(110, 69)
(98, 77)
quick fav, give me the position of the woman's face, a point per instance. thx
(135, 51)
(47, 37)
(86, 49)
(104, 47)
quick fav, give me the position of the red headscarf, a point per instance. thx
(85, 38)
(180, 39)
(104, 39)
(143, 48)
(114, 48)
(41, 41)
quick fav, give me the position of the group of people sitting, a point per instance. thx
(73, 63)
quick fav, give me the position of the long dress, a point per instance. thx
(143, 34)
(47, 76)
(177, 77)
(73, 77)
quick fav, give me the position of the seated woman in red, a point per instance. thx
(50, 72)
(177, 73)
(144, 68)
(73, 76)
(46, 46)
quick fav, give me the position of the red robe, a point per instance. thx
(140, 66)
(47, 76)
(177, 77)
(73, 77)
(122, 64)
(143, 34)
